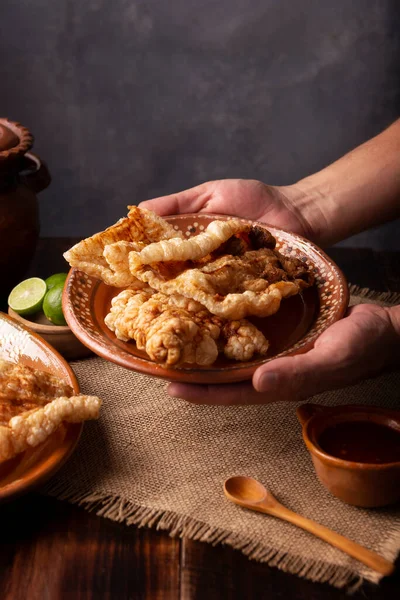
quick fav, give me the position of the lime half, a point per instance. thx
(27, 297)
(56, 279)
(52, 305)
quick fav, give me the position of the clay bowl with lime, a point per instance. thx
(36, 303)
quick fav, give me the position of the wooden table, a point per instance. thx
(51, 550)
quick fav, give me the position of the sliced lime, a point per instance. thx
(56, 279)
(52, 305)
(27, 297)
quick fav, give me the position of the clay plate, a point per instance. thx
(59, 337)
(292, 330)
(36, 465)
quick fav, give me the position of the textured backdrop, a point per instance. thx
(132, 99)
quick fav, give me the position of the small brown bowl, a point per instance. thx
(59, 337)
(355, 451)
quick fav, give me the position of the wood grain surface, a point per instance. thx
(51, 550)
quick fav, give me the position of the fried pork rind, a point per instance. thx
(230, 287)
(193, 248)
(117, 257)
(22, 388)
(139, 228)
(124, 311)
(33, 404)
(174, 330)
(31, 428)
(170, 334)
(243, 340)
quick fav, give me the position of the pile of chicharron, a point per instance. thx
(185, 301)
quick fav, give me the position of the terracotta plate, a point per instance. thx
(33, 467)
(294, 329)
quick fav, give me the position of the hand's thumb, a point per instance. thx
(297, 377)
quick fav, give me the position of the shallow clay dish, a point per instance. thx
(58, 336)
(293, 329)
(36, 465)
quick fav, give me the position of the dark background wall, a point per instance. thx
(132, 99)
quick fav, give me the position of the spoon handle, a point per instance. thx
(369, 558)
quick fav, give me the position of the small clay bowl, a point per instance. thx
(59, 337)
(355, 450)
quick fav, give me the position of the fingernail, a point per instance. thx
(171, 391)
(267, 381)
(175, 390)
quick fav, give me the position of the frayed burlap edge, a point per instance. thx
(115, 508)
(384, 297)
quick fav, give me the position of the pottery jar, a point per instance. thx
(22, 176)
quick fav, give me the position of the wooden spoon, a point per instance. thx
(249, 493)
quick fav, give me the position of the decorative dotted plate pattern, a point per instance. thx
(331, 285)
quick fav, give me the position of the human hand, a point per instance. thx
(245, 198)
(355, 348)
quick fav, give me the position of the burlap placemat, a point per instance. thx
(161, 462)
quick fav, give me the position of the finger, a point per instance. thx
(188, 201)
(290, 378)
(302, 376)
(227, 394)
(339, 358)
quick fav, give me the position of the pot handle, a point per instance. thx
(35, 173)
(306, 411)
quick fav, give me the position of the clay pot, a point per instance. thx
(366, 484)
(22, 176)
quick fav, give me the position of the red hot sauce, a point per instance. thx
(361, 441)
